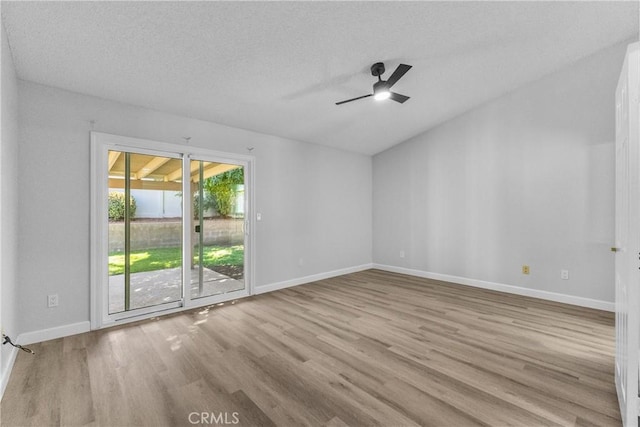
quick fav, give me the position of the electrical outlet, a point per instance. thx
(52, 300)
(525, 269)
(564, 274)
(401, 254)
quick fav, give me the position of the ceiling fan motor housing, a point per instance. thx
(380, 86)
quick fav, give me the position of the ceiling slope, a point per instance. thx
(279, 67)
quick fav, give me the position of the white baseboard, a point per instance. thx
(53, 333)
(512, 289)
(80, 327)
(307, 279)
(6, 373)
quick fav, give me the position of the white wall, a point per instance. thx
(315, 201)
(8, 206)
(525, 179)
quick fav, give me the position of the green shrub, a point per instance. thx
(116, 206)
(222, 189)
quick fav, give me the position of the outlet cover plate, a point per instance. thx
(52, 300)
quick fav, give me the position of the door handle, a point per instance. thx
(614, 249)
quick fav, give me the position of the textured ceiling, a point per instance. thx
(278, 68)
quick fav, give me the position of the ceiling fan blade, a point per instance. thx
(354, 99)
(398, 98)
(399, 72)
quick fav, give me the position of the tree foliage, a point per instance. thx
(222, 189)
(208, 203)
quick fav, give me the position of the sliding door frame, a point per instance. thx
(206, 155)
(104, 191)
(101, 143)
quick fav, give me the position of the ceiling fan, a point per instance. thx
(381, 87)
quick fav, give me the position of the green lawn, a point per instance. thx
(161, 258)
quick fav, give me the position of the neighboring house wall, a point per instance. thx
(315, 219)
(8, 208)
(525, 179)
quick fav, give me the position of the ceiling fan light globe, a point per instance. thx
(381, 90)
(381, 95)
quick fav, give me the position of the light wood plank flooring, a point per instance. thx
(370, 348)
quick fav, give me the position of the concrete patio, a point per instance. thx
(162, 286)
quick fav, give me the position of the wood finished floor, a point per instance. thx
(370, 348)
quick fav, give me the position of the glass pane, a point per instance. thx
(145, 240)
(218, 233)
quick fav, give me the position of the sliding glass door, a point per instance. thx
(145, 230)
(217, 237)
(170, 229)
